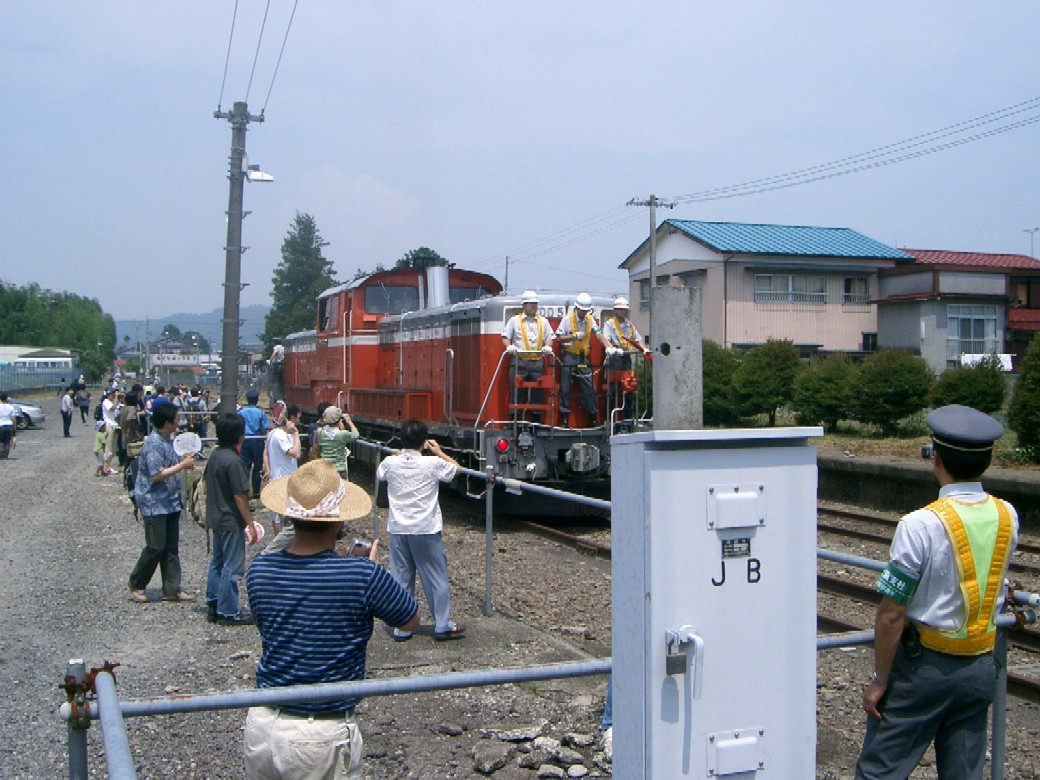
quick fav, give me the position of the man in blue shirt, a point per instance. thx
(157, 491)
(315, 611)
(257, 426)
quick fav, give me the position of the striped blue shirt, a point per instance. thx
(315, 616)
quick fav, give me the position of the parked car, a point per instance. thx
(27, 413)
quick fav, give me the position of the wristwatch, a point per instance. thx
(877, 678)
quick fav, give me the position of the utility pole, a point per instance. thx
(505, 287)
(239, 117)
(653, 203)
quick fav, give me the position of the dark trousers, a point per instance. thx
(528, 371)
(6, 434)
(83, 410)
(937, 697)
(66, 423)
(576, 369)
(162, 536)
(253, 457)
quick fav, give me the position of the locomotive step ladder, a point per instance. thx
(522, 389)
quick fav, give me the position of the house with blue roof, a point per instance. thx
(812, 285)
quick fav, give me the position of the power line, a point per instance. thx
(256, 56)
(227, 59)
(881, 156)
(280, 53)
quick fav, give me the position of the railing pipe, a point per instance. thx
(298, 694)
(119, 760)
(845, 639)
(488, 543)
(75, 672)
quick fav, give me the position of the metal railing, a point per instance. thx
(79, 711)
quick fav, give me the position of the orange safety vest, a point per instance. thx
(580, 347)
(971, 545)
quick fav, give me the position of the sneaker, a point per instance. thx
(241, 619)
(211, 612)
(181, 597)
(402, 636)
(608, 743)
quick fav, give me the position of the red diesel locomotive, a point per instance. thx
(426, 344)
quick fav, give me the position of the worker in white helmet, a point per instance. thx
(527, 337)
(575, 333)
(623, 341)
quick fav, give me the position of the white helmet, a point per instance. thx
(529, 296)
(621, 303)
(583, 301)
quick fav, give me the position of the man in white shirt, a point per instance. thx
(527, 337)
(109, 408)
(281, 452)
(414, 523)
(8, 427)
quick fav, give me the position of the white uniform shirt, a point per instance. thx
(279, 442)
(412, 482)
(530, 324)
(921, 548)
(6, 414)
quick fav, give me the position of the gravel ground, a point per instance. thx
(69, 541)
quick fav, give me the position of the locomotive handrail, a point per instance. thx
(448, 397)
(491, 386)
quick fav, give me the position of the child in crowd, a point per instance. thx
(99, 448)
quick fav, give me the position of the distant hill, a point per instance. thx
(208, 324)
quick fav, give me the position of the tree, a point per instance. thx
(890, 385)
(171, 332)
(981, 386)
(1024, 417)
(822, 394)
(299, 278)
(719, 366)
(764, 381)
(423, 257)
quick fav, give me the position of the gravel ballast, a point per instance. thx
(69, 541)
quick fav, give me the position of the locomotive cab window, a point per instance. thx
(391, 299)
(463, 294)
(328, 313)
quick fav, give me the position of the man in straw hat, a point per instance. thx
(934, 675)
(314, 609)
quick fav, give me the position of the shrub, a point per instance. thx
(764, 380)
(718, 367)
(890, 385)
(1024, 417)
(981, 386)
(822, 394)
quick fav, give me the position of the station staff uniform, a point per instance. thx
(943, 587)
(527, 336)
(574, 359)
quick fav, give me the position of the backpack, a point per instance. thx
(99, 413)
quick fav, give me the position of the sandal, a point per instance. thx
(457, 631)
(402, 636)
(139, 596)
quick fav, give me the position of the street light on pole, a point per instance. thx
(1031, 232)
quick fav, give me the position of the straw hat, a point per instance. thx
(315, 492)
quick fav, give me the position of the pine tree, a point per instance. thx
(299, 278)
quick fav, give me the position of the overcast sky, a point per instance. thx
(487, 129)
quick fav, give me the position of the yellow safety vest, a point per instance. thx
(621, 334)
(580, 347)
(523, 334)
(978, 546)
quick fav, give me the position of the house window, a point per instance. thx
(856, 290)
(870, 342)
(644, 295)
(970, 330)
(790, 288)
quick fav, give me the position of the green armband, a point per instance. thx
(896, 585)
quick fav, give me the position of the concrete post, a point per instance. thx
(678, 377)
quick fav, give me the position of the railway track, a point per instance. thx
(1025, 639)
